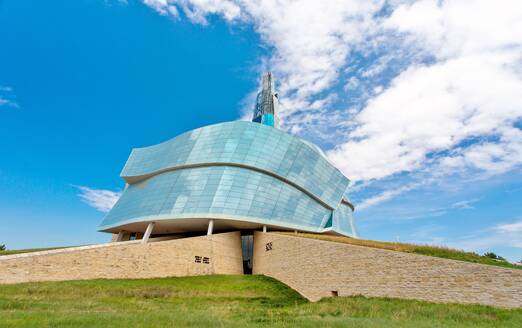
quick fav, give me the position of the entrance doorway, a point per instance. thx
(247, 245)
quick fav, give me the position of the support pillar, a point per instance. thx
(210, 227)
(264, 228)
(120, 236)
(148, 232)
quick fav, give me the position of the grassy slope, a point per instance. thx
(222, 301)
(28, 250)
(436, 251)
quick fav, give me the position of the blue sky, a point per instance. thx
(416, 102)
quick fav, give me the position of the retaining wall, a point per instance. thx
(319, 269)
(130, 259)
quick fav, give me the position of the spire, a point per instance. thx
(267, 103)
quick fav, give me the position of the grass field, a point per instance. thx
(222, 301)
(437, 251)
(27, 250)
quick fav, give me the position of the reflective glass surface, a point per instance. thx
(240, 170)
(204, 191)
(342, 221)
(245, 143)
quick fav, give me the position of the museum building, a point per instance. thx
(232, 176)
(218, 200)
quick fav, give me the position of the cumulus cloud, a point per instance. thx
(472, 89)
(311, 39)
(433, 108)
(100, 199)
(392, 87)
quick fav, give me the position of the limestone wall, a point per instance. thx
(130, 259)
(318, 269)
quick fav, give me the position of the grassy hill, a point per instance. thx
(437, 251)
(222, 301)
(27, 250)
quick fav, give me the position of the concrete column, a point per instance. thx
(264, 228)
(148, 232)
(120, 236)
(210, 227)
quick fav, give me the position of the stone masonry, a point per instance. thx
(314, 268)
(129, 259)
(317, 269)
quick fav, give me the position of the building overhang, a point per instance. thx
(199, 223)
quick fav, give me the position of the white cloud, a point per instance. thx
(450, 29)
(4, 101)
(197, 10)
(471, 92)
(439, 82)
(426, 234)
(100, 199)
(6, 97)
(498, 236)
(161, 6)
(510, 227)
(311, 39)
(434, 108)
(465, 204)
(384, 196)
(352, 84)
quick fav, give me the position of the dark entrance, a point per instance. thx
(247, 245)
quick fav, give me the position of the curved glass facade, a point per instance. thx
(244, 143)
(240, 171)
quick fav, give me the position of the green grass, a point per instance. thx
(28, 250)
(222, 301)
(437, 251)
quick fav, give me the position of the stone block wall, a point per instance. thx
(130, 259)
(319, 269)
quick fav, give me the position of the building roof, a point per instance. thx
(293, 183)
